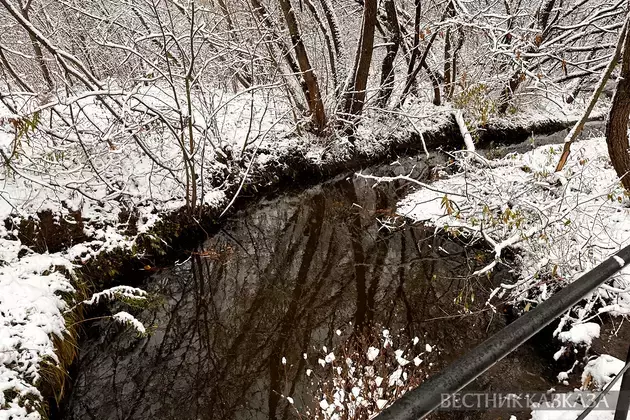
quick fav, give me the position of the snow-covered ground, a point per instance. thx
(563, 224)
(36, 293)
(598, 374)
(31, 310)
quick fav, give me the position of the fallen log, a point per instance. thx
(504, 132)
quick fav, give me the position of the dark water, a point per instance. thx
(285, 278)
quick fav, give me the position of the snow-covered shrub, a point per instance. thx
(125, 294)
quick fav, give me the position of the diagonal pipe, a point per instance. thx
(421, 401)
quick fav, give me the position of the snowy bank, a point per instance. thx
(31, 312)
(563, 224)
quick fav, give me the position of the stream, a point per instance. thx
(328, 270)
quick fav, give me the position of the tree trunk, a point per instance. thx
(331, 18)
(39, 54)
(332, 50)
(448, 57)
(577, 128)
(412, 74)
(356, 96)
(415, 47)
(412, 77)
(617, 124)
(313, 93)
(261, 12)
(448, 52)
(387, 68)
(544, 11)
(435, 82)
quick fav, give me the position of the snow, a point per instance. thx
(395, 377)
(581, 333)
(551, 414)
(128, 319)
(112, 293)
(563, 224)
(400, 359)
(602, 370)
(6, 139)
(31, 311)
(598, 373)
(619, 260)
(372, 353)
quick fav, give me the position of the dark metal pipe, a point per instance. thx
(418, 403)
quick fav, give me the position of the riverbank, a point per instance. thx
(59, 255)
(562, 224)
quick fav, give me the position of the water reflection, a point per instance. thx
(278, 282)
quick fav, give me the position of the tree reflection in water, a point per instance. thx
(278, 282)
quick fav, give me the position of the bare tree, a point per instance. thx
(313, 92)
(448, 51)
(543, 13)
(356, 92)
